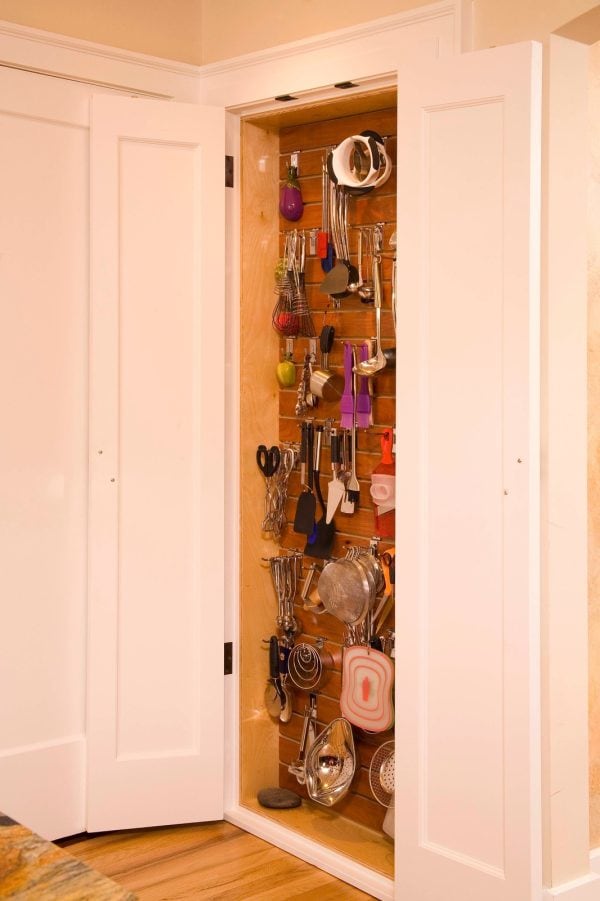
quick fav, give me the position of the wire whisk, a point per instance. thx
(291, 316)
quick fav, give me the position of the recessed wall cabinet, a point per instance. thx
(181, 392)
(467, 451)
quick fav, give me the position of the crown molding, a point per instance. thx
(105, 51)
(365, 50)
(47, 53)
(309, 69)
(364, 30)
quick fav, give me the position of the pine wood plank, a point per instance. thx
(258, 411)
(312, 160)
(207, 860)
(353, 321)
(332, 131)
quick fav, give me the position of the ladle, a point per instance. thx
(374, 364)
(353, 274)
(360, 258)
(366, 289)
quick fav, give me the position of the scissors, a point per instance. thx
(268, 459)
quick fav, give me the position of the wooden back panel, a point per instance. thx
(354, 322)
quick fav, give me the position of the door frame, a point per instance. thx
(292, 62)
(566, 853)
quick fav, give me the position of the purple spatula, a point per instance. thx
(347, 399)
(363, 400)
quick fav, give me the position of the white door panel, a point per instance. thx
(44, 275)
(468, 709)
(155, 694)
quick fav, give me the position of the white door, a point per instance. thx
(156, 559)
(44, 277)
(468, 631)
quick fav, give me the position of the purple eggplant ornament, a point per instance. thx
(291, 205)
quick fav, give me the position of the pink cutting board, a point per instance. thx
(367, 689)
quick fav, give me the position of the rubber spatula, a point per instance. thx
(324, 245)
(325, 530)
(347, 398)
(363, 400)
(304, 521)
(336, 280)
(337, 487)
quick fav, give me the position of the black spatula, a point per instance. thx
(320, 544)
(304, 521)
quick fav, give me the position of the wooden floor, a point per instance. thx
(208, 860)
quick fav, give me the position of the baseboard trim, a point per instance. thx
(54, 773)
(338, 865)
(585, 889)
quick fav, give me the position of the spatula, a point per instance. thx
(347, 399)
(324, 246)
(336, 489)
(335, 282)
(363, 401)
(304, 521)
(353, 486)
(325, 530)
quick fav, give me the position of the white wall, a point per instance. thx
(203, 31)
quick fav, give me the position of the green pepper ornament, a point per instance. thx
(286, 372)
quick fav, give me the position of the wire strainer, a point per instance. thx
(382, 774)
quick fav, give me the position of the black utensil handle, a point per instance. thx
(335, 448)
(274, 657)
(326, 338)
(319, 493)
(262, 458)
(284, 653)
(274, 459)
(303, 439)
(310, 437)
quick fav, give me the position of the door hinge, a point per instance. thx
(228, 658)
(229, 172)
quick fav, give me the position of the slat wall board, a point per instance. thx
(354, 321)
